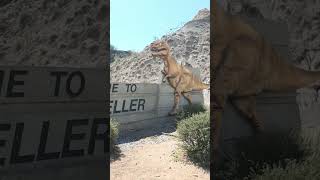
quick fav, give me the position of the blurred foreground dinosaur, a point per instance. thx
(244, 65)
(180, 78)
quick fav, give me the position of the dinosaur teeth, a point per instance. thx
(158, 50)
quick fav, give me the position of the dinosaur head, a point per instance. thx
(159, 49)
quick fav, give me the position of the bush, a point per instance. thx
(114, 132)
(189, 110)
(256, 152)
(194, 132)
(294, 169)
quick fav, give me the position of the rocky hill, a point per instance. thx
(189, 44)
(53, 32)
(118, 54)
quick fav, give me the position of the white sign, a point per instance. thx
(51, 116)
(142, 102)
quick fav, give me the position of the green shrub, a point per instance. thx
(189, 110)
(114, 132)
(258, 151)
(294, 169)
(194, 132)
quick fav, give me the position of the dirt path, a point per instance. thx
(154, 158)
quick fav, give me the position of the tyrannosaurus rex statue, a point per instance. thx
(244, 65)
(179, 77)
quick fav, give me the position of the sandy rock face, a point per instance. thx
(190, 44)
(53, 33)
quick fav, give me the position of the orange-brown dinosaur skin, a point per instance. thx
(180, 78)
(244, 65)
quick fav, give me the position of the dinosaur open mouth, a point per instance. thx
(157, 50)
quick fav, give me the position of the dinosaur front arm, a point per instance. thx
(173, 75)
(165, 70)
(166, 75)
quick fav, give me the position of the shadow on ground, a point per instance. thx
(116, 154)
(167, 125)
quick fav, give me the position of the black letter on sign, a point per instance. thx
(1, 79)
(141, 103)
(3, 127)
(15, 158)
(42, 146)
(66, 152)
(58, 81)
(12, 83)
(115, 87)
(95, 136)
(82, 84)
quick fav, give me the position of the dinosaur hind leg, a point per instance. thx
(187, 96)
(247, 107)
(177, 95)
(217, 106)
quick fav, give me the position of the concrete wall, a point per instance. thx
(155, 101)
(278, 112)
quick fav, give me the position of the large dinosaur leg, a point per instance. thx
(247, 107)
(187, 96)
(177, 95)
(218, 106)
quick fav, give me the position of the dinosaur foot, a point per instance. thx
(258, 131)
(216, 159)
(172, 113)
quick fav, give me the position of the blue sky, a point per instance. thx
(135, 23)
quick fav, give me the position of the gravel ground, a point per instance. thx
(165, 125)
(153, 153)
(156, 139)
(153, 158)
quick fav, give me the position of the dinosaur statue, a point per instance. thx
(244, 64)
(187, 67)
(179, 77)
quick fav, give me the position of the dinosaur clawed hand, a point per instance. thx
(164, 75)
(316, 86)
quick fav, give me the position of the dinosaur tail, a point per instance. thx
(198, 85)
(285, 76)
(308, 79)
(293, 78)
